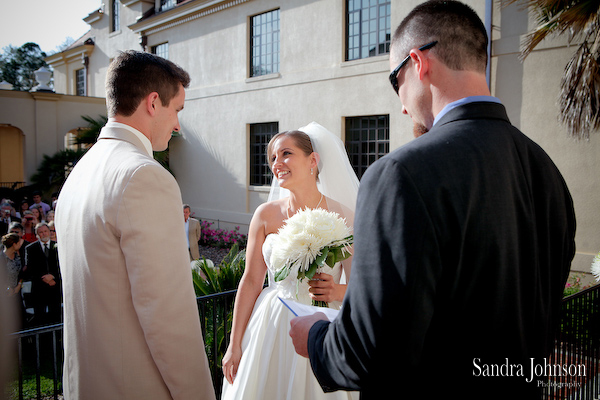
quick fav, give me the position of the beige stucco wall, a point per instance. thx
(210, 160)
(44, 119)
(530, 91)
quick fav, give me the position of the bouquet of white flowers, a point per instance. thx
(309, 240)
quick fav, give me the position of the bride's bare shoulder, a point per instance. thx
(271, 213)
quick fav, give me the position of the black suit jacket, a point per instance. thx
(38, 265)
(463, 242)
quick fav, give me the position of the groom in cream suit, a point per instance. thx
(131, 327)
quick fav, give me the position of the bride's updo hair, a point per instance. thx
(301, 139)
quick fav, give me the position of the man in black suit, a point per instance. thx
(41, 259)
(463, 238)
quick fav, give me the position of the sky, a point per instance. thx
(45, 22)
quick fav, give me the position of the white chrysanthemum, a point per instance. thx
(596, 267)
(299, 242)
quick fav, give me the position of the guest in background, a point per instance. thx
(193, 232)
(11, 244)
(7, 215)
(37, 200)
(52, 230)
(24, 206)
(41, 259)
(50, 216)
(17, 228)
(28, 226)
(38, 213)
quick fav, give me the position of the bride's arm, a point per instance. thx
(249, 289)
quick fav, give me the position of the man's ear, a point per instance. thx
(420, 62)
(151, 102)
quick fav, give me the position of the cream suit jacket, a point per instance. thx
(131, 325)
(194, 236)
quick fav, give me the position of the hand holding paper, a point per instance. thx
(306, 317)
(301, 310)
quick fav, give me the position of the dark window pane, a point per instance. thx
(260, 134)
(367, 28)
(367, 139)
(265, 43)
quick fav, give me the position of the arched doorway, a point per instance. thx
(11, 156)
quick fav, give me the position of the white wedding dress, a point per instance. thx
(270, 369)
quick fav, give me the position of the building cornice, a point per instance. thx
(129, 3)
(70, 55)
(94, 16)
(182, 14)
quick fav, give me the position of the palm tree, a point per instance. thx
(579, 100)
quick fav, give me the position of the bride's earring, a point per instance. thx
(311, 171)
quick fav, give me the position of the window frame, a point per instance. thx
(83, 81)
(360, 35)
(257, 153)
(115, 15)
(364, 157)
(159, 47)
(275, 36)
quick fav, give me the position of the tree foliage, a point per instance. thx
(579, 99)
(53, 170)
(18, 65)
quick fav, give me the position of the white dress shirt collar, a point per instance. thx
(145, 141)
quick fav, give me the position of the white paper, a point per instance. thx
(302, 310)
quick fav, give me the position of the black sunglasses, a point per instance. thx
(394, 74)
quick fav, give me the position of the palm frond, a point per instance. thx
(579, 99)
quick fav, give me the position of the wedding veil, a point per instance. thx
(337, 180)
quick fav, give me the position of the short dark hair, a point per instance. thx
(133, 75)
(186, 206)
(461, 36)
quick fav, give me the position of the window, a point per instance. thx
(264, 44)
(167, 4)
(367, 140)
(260, 135)
(368, 28)
(161, 50)
(80, 82)
(116, 15)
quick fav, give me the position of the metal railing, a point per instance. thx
(577, 347)
(574, 365)
(40, 349)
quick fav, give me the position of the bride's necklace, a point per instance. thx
(287, 210)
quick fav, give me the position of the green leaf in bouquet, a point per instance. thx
(331, 258)
(317, 262)
(282, 273)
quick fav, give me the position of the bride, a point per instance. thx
(311, 169)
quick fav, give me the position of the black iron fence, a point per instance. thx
(40, 358)
(574, 366)
(573, 369)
